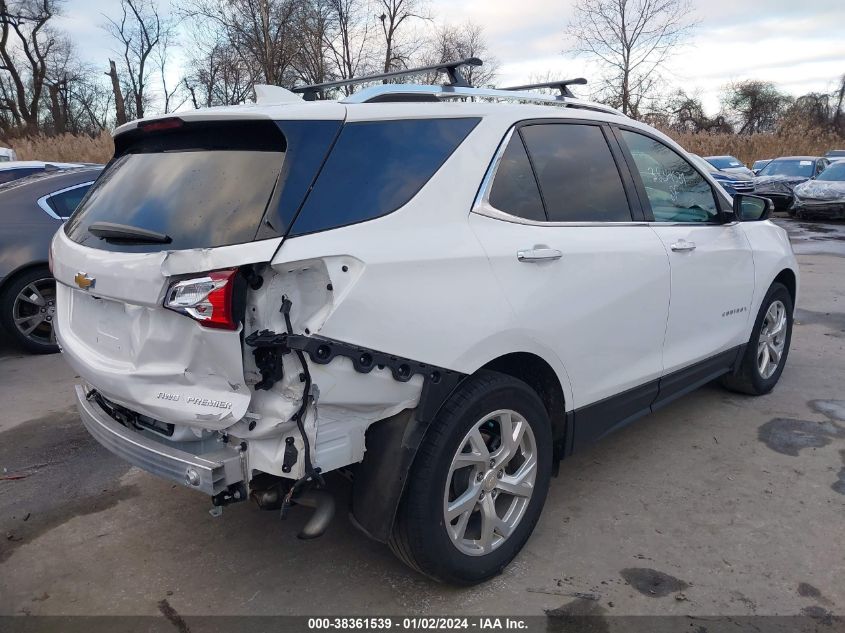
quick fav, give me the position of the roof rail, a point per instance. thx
(452, 69)
(417, 92)
(562, 85)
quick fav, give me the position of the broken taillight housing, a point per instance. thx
(206, 299)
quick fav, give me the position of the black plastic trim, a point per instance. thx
(595, 421)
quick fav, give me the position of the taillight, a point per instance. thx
(207, 299)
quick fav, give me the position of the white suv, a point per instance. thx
(443, 298)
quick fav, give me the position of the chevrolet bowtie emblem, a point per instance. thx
(84, 281)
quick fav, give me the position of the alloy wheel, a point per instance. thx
(490, 483)
(34, 311)
(772, 339)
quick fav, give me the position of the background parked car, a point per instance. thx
(835, 155)
(31, 209)
(732, 182)
(759, 164)
(7, 154)
(822, 197)
(12, 170)
(777, 179)
(730, 164)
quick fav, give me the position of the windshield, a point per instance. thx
(795, 168)
(724, 162)
(836, 171)
(703, 164)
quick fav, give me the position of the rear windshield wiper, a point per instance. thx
(112, 232)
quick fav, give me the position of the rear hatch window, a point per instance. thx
(202, 184)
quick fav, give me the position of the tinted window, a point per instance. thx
(377, 167)
(578, 176)
(65, 203)
(182, 185)
(514, 188)
(799, 168)
(8, 175)
(676, 191)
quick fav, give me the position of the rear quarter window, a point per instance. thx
(376, 167)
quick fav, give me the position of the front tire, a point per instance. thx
(765, 356)
(478, 483)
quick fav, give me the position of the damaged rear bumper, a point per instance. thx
(211, 471)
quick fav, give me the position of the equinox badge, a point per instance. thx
(84, 281)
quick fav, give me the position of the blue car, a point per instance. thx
(731, 182)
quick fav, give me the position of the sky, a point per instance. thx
(799, 45)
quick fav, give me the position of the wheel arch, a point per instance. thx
(542, 378)
(788, 278)
(392, 443)
(20, 270)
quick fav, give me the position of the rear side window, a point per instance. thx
(578, 177)
(376, 167)
(514, 189)
(65, 202)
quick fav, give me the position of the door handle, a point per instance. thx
(683, 245)
(530, 255)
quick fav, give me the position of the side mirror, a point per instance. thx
(749, 208)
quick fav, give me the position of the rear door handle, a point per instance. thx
(530, 255)
(683, 245)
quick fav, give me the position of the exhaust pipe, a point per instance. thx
(321, 501)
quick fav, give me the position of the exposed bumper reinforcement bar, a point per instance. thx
(211, 473)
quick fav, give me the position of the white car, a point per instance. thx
(441, 298)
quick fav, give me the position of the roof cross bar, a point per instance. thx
(452, 69)
(562, 85)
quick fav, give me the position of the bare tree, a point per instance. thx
(26, 41)
(395, 13)
(217, 75)
(631, 39)
(349, 39)
(839, 101)
(451, 42)
(754, 106)
(314, 22)
(119, 101)
(139, 30)
(262, 32)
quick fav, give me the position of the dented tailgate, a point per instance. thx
(119, 338)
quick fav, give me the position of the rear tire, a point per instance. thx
(495, 489)
(28, 310)
(758, 372)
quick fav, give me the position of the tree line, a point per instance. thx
(211, 52)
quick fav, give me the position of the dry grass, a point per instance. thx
(794, 142)
(66, 148)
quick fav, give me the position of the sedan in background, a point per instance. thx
(759, 164)
(12, 170)
(732, 183)
(823, 197)
(730, 164)
(778, 179)
(31, 210)
(835, 155)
